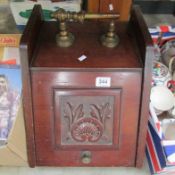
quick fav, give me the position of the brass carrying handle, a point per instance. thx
(66, 39)
(62, 15)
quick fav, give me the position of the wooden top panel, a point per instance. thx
(87, 36)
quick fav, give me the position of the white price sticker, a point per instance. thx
(111, 7)
(103, 82)
(82, 58)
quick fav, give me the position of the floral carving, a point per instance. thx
(87, 128)
(73, 114)
(101, 112)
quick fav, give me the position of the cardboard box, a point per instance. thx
(9, 35)
(10, 40)
(12, 130)
(9, 55)
(167, 145)
(22, 10)
(14, 152)
(3, 1)
(156, 149)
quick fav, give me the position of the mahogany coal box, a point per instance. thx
(92, 112)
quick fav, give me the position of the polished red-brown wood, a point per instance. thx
(122, 7)
(146, 50)
(47, 116)
(87, 42)
(27, 47)
(55, 83)
(93, 6)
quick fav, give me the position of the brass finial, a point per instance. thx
(64, 38)
(110, 39)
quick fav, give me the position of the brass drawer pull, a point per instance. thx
(86, 157)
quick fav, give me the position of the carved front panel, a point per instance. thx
(86, 117)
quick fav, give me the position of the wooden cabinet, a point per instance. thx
(113, 6)
(86, 113)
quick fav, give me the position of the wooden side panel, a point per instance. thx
(139, 30)
(31, 33)
(27, 47)
(144, 108)
(27, 104)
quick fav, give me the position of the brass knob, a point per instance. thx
(86, 157)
